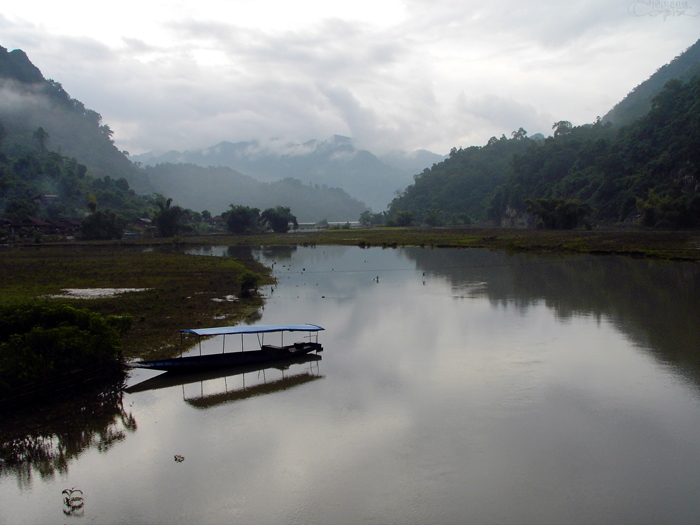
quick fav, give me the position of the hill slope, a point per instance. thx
(649, 170)
(638, 102)
(28, 101)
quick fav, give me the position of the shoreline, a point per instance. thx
(669, 245)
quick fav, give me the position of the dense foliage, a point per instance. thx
(242, 219)
(638, 102)
(649, 170)
(459, 189)
(40, 341)
(102, 226)
(25, 178)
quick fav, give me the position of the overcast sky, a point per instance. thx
(395, 74)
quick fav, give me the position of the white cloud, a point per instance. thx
(412, 74)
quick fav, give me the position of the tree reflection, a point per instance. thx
(654, 303)
(47, 439)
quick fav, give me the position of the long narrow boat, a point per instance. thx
(266, 352)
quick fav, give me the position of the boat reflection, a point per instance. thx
(236, 383)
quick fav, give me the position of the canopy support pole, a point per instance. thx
(223, 348)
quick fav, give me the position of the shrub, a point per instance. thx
(41, 341)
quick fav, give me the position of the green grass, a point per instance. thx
(179, 295)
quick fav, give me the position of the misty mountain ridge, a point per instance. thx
(214, 188)
(334, 163)
(638, 102)
(28, 101)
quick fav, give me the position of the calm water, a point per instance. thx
(456, 387)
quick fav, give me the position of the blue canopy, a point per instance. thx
(259, 329)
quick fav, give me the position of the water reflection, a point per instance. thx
(49, 438)
(460, 387)
(233, 385)
(654, 303)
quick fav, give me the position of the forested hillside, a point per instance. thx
(51, 186)
(638, 102)
(28, 102)
(459, 189)
(647, 171)
(57, 159)
(215, 188)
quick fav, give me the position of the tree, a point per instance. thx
(167, 219)
(401, 218)
(432, 217)
(367, 218)
(242, 219)
(102, 226)
(42, 138)
(279, 218)
(518, 135)
(563, 127)
(92, 203)
(558, 214)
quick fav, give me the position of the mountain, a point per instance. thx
(638, 102)
(411, 162)
(15, 65)
(28, 102)
(647, 172)
(459, 189)
(215, 188)
(51, 144)
(639, 164)
(334, 163)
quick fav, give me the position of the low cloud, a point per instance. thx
(441, 74)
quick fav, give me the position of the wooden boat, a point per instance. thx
(266, 352)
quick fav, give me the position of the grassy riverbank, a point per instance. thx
(674, 245)
(189, 291)
(180, 291)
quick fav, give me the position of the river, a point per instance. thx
(455, 386)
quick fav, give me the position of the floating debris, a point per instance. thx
(179, 458)
(73, 502)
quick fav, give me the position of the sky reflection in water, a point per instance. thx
(459, 386)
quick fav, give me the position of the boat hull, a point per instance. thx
(213, 361)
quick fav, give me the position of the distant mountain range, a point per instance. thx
(215, 188)
(29, 102)
(333, 163)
